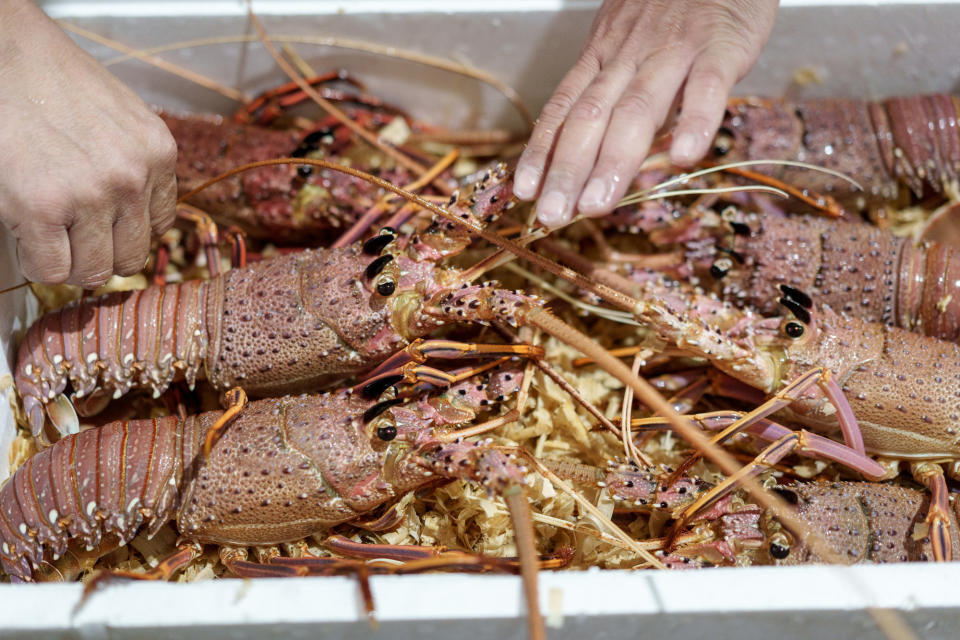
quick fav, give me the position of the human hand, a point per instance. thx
(86, 168)
(603, 115)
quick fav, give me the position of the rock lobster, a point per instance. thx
(894, 147)
(281, 469)
(277, 326)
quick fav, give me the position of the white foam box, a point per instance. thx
(865, 49)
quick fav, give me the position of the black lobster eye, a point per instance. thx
(723, 142)
(378, 243)
(779, 551)
(793, 329)
(387, 432)
(721, 267)
(386, 288)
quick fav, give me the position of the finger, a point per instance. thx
(634, 121)
(578, 143)
(131, 238)
(44, 254)
(704, 100)
(163, 204)
(163, 194)
(91, 250)
(533, 160)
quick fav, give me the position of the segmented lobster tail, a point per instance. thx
(94, 488)
(104, 346)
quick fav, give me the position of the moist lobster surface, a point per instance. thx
(853, 267)
(283, 469)
(909, 141)
(280, 203)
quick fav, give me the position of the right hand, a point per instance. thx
(86, 168)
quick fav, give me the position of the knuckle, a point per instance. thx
(635, 104)
(130, 177)
(709, 77)
(589, 108)
(164, 149)
(557, 108)
(591, 55)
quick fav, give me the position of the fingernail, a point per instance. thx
(525, 183)
(595, 196)
(552, 209)
(684, 148)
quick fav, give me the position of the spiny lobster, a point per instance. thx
(281, 202)
(910, 141)
(276, 326)
(281, 469)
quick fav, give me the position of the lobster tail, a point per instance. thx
(96, 488)
(106, 345)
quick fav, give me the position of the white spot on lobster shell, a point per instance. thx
(91, 507)
(52, 516)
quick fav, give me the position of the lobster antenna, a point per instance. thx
(373, 140)
(751, 163)
(25, 283)
(180, 72)
(608, 314)
(642, 197)
(443, 64)
(544, 320)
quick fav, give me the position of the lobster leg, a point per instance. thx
(238, 247)
(930, 475)
(206, 232)
(783, 398)
(235, 400)
(420, 350)
(801, 441)
(165, 569)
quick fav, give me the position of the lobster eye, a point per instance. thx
(375, 245)
(721, 267)
(386, 287)
(387, 432)
(779, 551)
(723, 142)
(793, 329)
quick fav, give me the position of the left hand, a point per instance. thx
(598, 126)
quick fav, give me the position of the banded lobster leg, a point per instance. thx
(786, 441)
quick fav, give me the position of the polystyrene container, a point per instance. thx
(865, 49)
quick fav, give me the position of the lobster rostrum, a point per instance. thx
(281, 469)
(894, 147)
(283, 325)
